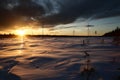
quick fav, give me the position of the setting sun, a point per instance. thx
(20, 32)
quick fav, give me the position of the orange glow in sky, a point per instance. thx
(20, 32)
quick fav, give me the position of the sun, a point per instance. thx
(20, 32)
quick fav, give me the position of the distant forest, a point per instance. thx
(115, 32)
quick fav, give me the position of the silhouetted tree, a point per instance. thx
(115, 33)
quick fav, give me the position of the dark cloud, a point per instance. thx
(88, 9)
(28, 8)
(54, 12)
(18, 12)
(7, 18)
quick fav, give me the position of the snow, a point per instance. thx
(59, 59)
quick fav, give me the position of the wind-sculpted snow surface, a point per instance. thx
(56, 58)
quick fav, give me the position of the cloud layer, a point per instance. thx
(54, 12)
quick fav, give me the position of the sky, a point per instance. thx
(59, 17)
